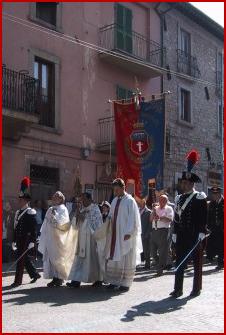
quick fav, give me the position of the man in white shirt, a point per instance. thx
(162, 217)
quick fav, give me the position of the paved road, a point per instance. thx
(145, 308)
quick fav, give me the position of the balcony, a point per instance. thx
(106, 134)
(19, 103)
(187, 64)
(133, 46)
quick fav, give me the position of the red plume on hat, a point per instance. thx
(24, 188)
(25, 183)
(192, 159)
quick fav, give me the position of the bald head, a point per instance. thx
(163, 199)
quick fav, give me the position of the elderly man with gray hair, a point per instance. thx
(162, 217)
(57, 242)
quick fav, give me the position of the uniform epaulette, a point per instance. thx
(201, 195)
(31, 211)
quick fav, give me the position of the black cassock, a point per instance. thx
(187, 226)
(215, 243)
(24, 233)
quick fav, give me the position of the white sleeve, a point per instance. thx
(61, 216)
(170, 213)
(133, 222)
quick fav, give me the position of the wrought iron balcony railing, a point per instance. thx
(187, 64)
(19, 91)
(115, 38)
(106, 131)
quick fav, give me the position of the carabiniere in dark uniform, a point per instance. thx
(190, 222)
(24, 236)
(215, 243)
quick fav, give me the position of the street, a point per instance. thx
(147, 307)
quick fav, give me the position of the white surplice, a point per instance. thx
(87, 267)
(57, 243)
(121, 268)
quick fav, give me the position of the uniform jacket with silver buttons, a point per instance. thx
(26, 226)
(193, 219)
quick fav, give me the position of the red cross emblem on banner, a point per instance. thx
(140, 142)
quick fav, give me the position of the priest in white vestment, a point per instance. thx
(87, 267)
(123, 245)
(57, 242)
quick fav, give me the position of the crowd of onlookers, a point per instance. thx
(156, 230)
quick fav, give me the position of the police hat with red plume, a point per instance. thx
(192, 159)
(24, 188)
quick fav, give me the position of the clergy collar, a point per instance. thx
(122, 196)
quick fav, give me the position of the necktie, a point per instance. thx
(113, 238)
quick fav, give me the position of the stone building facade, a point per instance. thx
(194, 109)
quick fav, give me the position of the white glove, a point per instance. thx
(201, 236)
(14, 246)
(174, 238)
(31, 245)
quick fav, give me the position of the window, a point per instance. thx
(220, 119)
(185, 105)
(167, 142)
(44, 182)
(45, 174)
(185, 42)
(47, 11)
(44, 71)
(219, 74)
(123, 19)
(123, 93)
(47, 14)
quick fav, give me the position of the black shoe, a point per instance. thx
(51, 284)
(13, 285)
(111, 287)
(147, 266)
(219, 267)
(168, 267)
(97, 283)
(159, 273)
(176, 294)
(58, 282)
(195, 293)
(55, 283)
(122, 289)
(35, 278)
(74, 284)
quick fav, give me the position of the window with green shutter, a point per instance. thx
(123, 93)
(123, 20)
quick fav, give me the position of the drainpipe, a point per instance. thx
(222, 120)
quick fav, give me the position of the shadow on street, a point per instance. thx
(147, 308)
(59, 296)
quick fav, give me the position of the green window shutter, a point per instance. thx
(120, 15)
(123, 93)
(129, 94)
(124, 28)
(128, 20)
